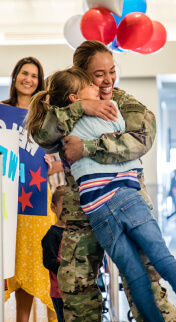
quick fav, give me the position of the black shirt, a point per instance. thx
(50, 243)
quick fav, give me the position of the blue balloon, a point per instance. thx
(117, 19)
(131, 6)
(134, 6)
(114, 47)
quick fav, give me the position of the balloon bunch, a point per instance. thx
(122, 25)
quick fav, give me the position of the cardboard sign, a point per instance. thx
(32, 191)
(9, 147)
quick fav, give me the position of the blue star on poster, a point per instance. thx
(33, 170)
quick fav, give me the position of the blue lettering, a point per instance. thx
(22, 172)
(4, 152)
(12, 165)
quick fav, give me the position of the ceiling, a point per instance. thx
(42, 21)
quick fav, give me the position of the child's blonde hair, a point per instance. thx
(60, 85)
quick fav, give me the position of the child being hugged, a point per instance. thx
(51, 244)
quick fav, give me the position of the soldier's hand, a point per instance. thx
(101, 108)
(73, 149)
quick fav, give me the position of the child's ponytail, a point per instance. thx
(38, 108)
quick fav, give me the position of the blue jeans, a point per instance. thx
(58, 306)
(124, 221)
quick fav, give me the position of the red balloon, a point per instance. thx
(156, 42)
(98, 24)
(134, 30)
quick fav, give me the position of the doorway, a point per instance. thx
(166, 164)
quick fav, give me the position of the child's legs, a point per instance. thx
(58, 306)
(167, 309)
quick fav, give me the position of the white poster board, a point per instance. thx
(1, 251)
(9, 147)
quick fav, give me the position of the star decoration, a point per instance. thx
(36, 178)
(24, 199)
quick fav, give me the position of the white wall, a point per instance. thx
(145, 90)
(55, 57)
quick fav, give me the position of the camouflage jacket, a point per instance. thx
(112, 147)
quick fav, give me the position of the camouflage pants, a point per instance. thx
(167, 309)
(81, 257)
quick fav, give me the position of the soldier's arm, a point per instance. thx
(136, 142)
(59, 122)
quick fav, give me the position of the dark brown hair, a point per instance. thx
(13, 92)
(88, 49)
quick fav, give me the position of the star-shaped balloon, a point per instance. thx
(24, 199)
(36, 178)
(111, 5)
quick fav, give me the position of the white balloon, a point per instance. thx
(72, 31)
(114, 6)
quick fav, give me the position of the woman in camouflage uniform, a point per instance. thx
(81, 253)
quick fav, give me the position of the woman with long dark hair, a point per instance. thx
(31, 278)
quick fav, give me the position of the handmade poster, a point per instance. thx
(9, 147)
(32, 191)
